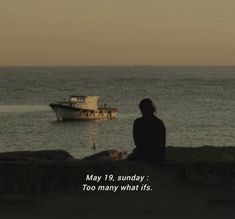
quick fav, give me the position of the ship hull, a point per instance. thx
(66, 112)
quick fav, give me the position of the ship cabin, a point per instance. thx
(84, 102)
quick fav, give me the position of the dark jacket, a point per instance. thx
(149, 135)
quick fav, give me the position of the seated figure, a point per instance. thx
(149, 135)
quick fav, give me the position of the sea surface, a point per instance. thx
(197, 105)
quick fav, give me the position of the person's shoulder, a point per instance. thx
(138, 119)
(159, 120)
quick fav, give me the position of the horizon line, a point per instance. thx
(131, 65)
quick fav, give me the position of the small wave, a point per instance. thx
(22, 108)
(128, 115)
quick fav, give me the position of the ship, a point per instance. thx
(82, 108)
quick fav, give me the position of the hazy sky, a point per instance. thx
(117, 32)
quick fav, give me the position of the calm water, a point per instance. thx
(197, 105)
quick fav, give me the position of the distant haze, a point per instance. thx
(117, 32)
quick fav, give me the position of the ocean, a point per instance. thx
(197, 105)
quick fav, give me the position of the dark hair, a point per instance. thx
(147, 107)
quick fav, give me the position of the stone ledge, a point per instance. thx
(27, 172)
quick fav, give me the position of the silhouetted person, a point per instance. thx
(149, 135)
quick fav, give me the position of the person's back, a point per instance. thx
(149, 135)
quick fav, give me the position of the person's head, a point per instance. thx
(147, 107)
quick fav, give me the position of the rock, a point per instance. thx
(33, 172)
(49, 155)
(198, 154)
(107, 155)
